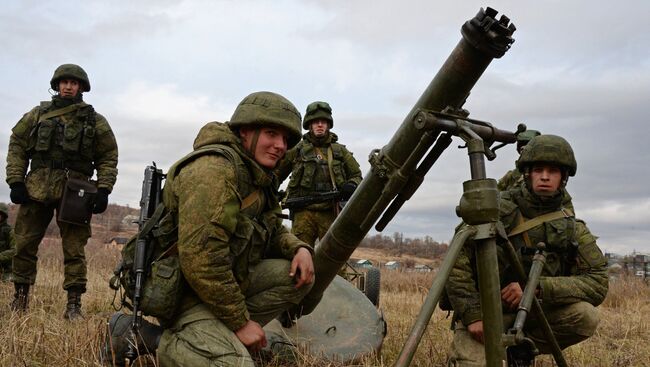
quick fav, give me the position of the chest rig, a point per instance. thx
(64, 138)
(317, 169)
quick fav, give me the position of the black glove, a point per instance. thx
(19, 193)
(101, 201)
(347, 190)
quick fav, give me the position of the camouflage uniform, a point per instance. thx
(573, 282)
(310, 168)
(56, 146)
(7, 243)
(234, 251)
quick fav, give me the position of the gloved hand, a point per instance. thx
(19, 193)
(347, 190)
(101, 201)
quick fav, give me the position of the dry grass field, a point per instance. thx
(42, 338)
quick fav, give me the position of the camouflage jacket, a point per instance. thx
(226, 209)
(510, 180)
(79, 140)
(308, 163)
(7, 244)
(575, 268)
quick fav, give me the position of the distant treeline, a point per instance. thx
(397, 245)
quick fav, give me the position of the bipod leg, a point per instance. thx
(479, 207)
(408, 351)
(536, 307)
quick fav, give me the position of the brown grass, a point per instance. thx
(42, 338)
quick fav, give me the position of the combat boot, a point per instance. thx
(119, 338)
(73, 307)
(20, 297)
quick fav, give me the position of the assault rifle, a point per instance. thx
(151, 197)
(304, 201)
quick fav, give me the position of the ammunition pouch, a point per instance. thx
(77, 202)
(163, 281)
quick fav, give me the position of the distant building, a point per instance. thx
(422, 268)
(392, 265)
(363, 263)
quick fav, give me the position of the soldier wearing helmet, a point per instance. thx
(61, 139)
(242, 267)
(574, 279)
(318, 164)
(7, 243)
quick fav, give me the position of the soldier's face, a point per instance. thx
(270, 147)
(319, 127)
(69, 88)
(545, 179)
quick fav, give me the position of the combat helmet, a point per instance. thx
(4, 210)
(548, 149)
(318, 110)
(70, 71)
(268, 108)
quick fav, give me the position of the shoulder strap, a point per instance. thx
(61, 111)
(526, 225)
(250, 199)
(153, 221)
(330, 159)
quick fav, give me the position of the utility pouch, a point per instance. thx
(77, 202)
(162, 289)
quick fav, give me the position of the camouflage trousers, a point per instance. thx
(310, 225)
(31, 223)
(571, 324)
(198, 338)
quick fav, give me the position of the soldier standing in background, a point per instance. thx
(318, 163)
(513, 178)
(59, 139)
(574, 278)
(7, 243)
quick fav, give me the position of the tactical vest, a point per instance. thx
(256, 220)
(164, 285)
(311, 173)
(559, 236)
(64, 141)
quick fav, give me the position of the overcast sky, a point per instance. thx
(160, 69)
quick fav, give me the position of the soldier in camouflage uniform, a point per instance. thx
(514, 178)
(58, 139)
(242, 267)
(318, 164)
(7, 243)
(574, 278)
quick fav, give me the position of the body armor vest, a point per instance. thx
(65, 141)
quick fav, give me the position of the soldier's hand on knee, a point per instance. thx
(252, 336)
(511, 295)
(302, 267)
(475, 329)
